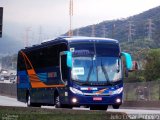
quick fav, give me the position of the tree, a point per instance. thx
(152, 67)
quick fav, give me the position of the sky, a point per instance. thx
(52, 16)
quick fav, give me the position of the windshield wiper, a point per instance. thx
(105, 74)
(90, 71)
(118, 66)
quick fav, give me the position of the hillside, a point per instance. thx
(119, 29)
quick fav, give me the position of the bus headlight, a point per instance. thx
(74, 100)
(75, 91)
(118, 100)
(118, 91)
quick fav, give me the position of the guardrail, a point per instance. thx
(142, 91)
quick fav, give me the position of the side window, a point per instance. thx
(21, 64)
(42, 57)
(53, 53)
(28, 61)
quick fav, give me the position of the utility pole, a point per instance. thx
(93, 31)
(40, 34)
(77, 32)
(104, 31)
(113, 30)
(70, 33)
(28, 29)
(130, 31)
(150, 29)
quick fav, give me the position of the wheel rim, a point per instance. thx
(29, 101)
(57, 101)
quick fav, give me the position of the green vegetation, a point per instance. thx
(152, 67)
(17, 113)
(149, 64)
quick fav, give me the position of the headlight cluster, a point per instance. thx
(75, 91)
(118, 91)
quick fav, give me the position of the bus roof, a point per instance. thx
(68, 39)
(83, 38)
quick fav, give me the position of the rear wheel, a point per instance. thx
(115, 106)
(29, 101)
(98, 107)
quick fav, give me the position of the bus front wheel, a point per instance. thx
(57, 102)
(98, 107)
(115, 106)
(59, 105)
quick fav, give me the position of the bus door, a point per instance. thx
(63, 68)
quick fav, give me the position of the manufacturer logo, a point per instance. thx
(89, 88)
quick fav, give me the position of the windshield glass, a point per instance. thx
(96, 63)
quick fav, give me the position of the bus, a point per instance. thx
(71, 72)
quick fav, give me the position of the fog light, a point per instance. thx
(118, 100)
(74, 100)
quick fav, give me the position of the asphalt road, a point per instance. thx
(7, 101)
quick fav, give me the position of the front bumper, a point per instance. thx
(82, 100)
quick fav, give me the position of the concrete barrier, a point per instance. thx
(141, 104)
(8, 89)
(11, 91)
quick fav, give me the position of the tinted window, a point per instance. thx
(47, 56)
(101, 49)
(21, 62)
(105, 49)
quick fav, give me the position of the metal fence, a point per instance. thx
(147, 91)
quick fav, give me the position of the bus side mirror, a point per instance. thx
(128, 62)
(69, 58)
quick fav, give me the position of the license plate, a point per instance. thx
(97, 98)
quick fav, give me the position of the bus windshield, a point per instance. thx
(96, 63)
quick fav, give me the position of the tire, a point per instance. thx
(115, 106)
(59, 105)
(98, 107)
(29, 104)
